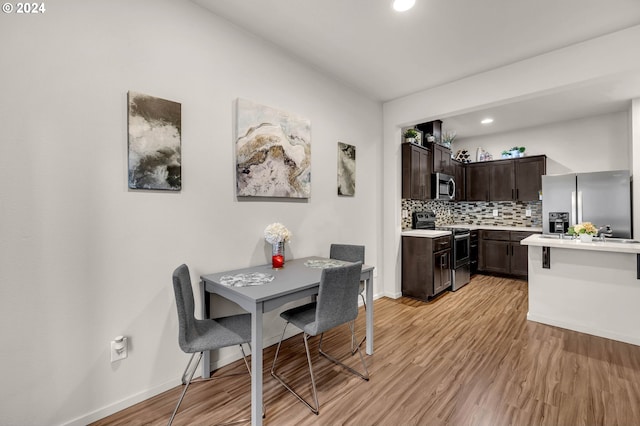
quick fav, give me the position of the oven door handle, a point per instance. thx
(462, 236)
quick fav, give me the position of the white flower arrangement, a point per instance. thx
(276, 233)
(583, 228)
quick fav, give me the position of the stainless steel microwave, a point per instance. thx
(443, 187)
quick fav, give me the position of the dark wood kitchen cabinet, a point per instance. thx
(473, 252)
(519, 253)
(529, 171)
(501, 252)
(442, 162)
(416, 172)
(459, 176)
(506, 180)
(490, 181)
(477, 181)
(502, 182)
(426, 266)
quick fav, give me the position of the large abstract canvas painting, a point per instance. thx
(273, 152)
(346, 169)
(154, 143)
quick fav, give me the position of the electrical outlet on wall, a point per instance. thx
(495, 212)
(527, 212)
(119, 348)
(405, 213)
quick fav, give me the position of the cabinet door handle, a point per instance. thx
(517, 193)
(512, 193)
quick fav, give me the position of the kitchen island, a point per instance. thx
(590, 287)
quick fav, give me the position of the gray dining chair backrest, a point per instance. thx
(337, 298)
(185, 305)
(347, 252)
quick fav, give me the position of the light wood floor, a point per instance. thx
(467, 358)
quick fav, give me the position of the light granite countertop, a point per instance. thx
(614, 245)
(425, 233)
(475, 227)
(497, 227)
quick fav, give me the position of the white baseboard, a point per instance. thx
(123, 403)
(582, 329)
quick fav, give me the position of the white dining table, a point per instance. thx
(296, 280)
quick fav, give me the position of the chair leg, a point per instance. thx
(190, 373)
(305, 337)
(353, 337)
(365, 375)
(186, 384)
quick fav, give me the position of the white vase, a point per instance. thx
(586, 238)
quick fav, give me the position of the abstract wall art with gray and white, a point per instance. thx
(346, 169)
(273, 152)
(154, 143)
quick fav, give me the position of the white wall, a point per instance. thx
(583, 145)
(82, 258)
(549, 73)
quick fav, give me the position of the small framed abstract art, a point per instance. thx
(155, 159)
(346, 169)
(273, 152)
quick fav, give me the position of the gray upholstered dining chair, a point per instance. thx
(336, 304)
(350, 253)
(196, 336)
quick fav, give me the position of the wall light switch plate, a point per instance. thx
(527, 212)
(405, 214)
(495, 212)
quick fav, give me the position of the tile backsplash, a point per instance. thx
(510, 213)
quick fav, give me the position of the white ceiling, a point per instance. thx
(387, 55)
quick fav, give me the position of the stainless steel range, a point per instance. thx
(460, 241)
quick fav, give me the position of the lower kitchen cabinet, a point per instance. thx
(501, 252)
(473, 252)
(426, 266)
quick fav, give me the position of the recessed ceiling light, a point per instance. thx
(487, 121)
(403, 5)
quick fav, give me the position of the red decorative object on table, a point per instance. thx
(277, 261)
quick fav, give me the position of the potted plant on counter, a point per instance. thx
(585, 231)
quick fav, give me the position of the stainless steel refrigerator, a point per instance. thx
(602, 198)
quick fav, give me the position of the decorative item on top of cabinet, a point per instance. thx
(434, 128)
(448, 138)
(463, 156)
(410, 135)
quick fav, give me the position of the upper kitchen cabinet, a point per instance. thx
(506, 180)
(529, 171)
(416, 172)
(477, 181)
(458, 175)
(442, 162)
(502, 183)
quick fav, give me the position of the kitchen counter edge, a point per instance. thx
(538, 241)
(425, 233)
